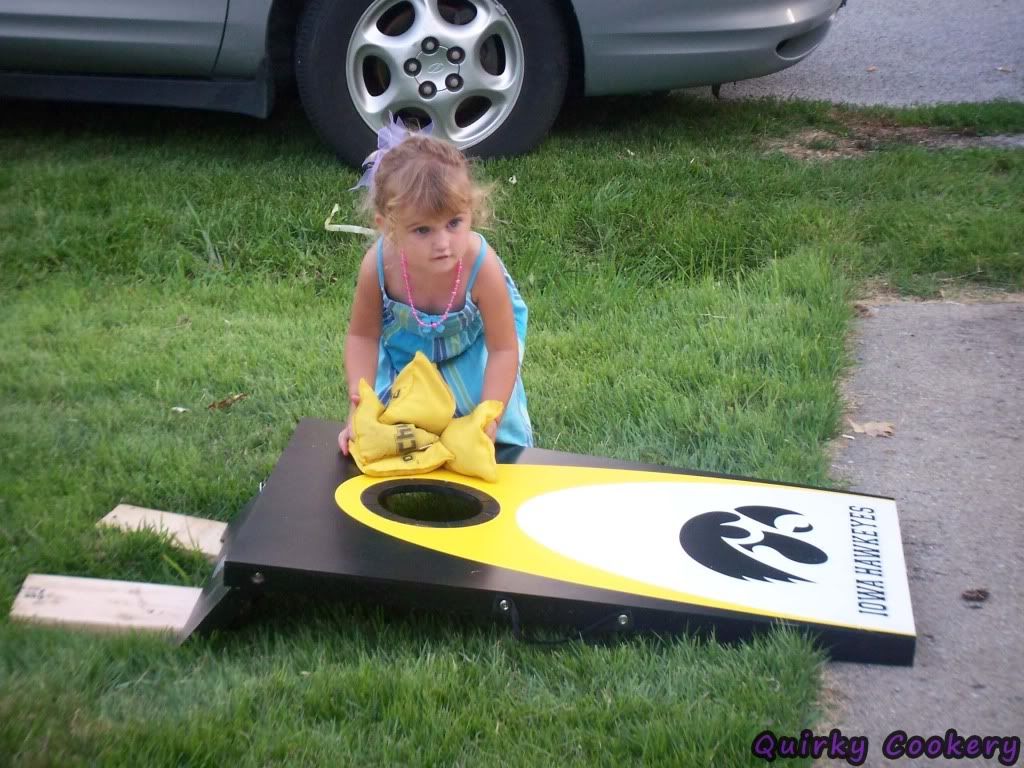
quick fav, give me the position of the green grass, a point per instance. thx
(330, 687)
(664, 190)
(991, 118)
(690, 298)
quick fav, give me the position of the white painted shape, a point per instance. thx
(188, 532)
(632, 529)
(102, 604)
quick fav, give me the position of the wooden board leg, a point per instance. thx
(102, 604)
(188, 532)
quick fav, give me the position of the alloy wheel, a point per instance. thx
(455, 65)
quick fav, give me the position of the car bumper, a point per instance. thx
(681, 43)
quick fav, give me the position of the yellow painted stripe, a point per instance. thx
(501, 543)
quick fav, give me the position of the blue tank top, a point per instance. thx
(457, 347)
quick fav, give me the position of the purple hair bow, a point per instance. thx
(389, 136)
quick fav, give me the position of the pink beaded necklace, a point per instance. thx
(451, 300)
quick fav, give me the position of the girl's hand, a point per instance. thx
(343, 438)
(346, 433)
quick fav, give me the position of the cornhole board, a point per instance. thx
(575, 541)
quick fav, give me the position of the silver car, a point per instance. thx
(490, 76)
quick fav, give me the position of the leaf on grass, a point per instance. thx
(975, 595)
(351, 228)
(873, 428)
(513, 180)
(179, 409)
(227, 402)
(864, 310)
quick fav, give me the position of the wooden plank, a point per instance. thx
(101, 604)
(188, 532)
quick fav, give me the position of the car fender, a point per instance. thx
(679, 43)
(244, 45)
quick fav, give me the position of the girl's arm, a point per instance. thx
(363, 337)
(499, 334)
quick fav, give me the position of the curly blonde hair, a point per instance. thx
(428, 176)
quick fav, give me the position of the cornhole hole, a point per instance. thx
(569, 540)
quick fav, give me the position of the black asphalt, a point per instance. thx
(902, 52)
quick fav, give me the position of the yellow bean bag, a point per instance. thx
(472, 449)
(374, 440)
(402, 439)
(420, 396)
(413, 463)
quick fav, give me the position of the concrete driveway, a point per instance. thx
(950, 377)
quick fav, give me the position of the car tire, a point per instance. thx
(513, 55)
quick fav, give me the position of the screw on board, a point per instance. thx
(258, 578)
(504, 606)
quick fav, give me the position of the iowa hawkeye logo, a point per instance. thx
(712, 540)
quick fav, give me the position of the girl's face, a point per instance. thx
(433, 244)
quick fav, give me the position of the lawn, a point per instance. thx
(691, 289)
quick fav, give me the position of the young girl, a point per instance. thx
(432, 284)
